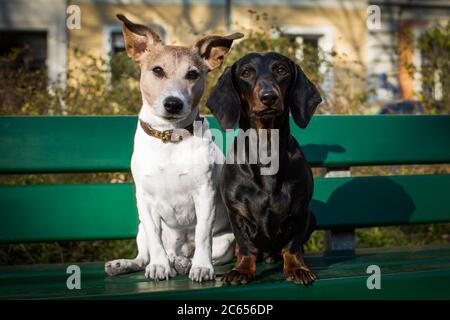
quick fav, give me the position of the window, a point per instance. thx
(314, 47)
(307, 50)
(117, 42)
(32, 46)
(114, 38)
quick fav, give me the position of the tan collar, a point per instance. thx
(172, 135)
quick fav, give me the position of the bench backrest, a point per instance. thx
(108, 211)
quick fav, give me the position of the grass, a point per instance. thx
(85, 251)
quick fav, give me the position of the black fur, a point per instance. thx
(268, 213)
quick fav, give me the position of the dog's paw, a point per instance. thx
(237, 276)
(161, 271)
(300, 275)
(201, 273)
(116, 267)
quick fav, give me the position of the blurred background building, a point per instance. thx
(378, 53)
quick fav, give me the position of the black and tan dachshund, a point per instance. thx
(269, 214)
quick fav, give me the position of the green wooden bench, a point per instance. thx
(34, 213)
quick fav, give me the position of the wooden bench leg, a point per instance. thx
(339, 240)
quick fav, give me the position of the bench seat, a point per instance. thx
(406, 274)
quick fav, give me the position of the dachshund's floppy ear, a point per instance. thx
(224, 101)
(303, 98)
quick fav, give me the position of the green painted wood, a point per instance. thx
(381, 201)
(108, 211)
(375, 140)
(104, 143)
(66, 144)
(67, 212)
(406, 274)
(87, 212)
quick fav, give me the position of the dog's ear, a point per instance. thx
(138, 38)
(213, 48)
(303, 98)
(224, 101)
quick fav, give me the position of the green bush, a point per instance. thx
(90, 88)
(434, 45)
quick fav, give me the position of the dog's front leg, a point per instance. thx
(202, 269)
(246, 252)
(159, 266)
(295, 268)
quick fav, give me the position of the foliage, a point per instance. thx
(89, 88)
(66, 251)
(23, 90)
(87, 251)
(343, 98)
(428, 234)
(434, 45)
(94, 85)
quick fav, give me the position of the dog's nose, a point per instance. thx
(173, 104)
(268, 97)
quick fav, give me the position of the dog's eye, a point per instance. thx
(281, 70)
(192, 75)
(158, 71)
(246, 73)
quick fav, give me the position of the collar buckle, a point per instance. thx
(171, 136)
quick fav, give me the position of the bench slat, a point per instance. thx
(67, 212)
(104, 143)
(108, 211)
(375, 140)
(66, 144)
(381, 201)
(411, 273)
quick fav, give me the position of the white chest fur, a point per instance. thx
(169, 175)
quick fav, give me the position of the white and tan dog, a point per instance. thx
(176, 181)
